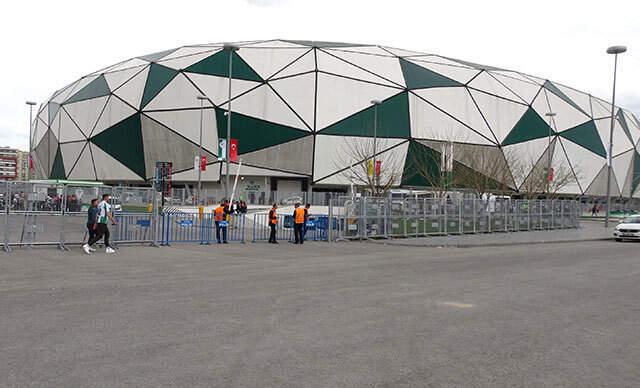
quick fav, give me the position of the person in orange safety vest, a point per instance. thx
(298, 223)
(273, 221)
(220, 216)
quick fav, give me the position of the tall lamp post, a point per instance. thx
(615, 50)
(31, 105)
(376, 177)
(230, 48)
(550, 115)
(202, 100)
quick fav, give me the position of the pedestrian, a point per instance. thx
(273, 222)
(92, 220)
(298, 226)
(307, 213)
(102, 230)
(594, 210)
(220, 215)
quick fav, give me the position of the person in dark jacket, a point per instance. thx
(298, 224)
(92, 220)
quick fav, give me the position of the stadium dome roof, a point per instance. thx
(299, 107)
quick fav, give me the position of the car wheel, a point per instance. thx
(618, 239)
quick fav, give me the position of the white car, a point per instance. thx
(628, 229)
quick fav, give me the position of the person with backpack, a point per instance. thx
(273, 222)
(105, 215)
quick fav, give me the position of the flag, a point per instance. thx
(222, 149)
(370, 167)
(196, 163)
(378, 167)
(233, 150)
(550, 175)
(203, 162)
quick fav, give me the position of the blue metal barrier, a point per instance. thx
(178, 227)
(132, 227)
(316, 227)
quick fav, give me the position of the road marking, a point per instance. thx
(457, 305)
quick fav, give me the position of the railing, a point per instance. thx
(179, 227)
(316, 227)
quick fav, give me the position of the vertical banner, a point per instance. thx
(233, 150)
(196, 163)
(203, 162)
(378, 167)
(370, 167)
(222, 149)
(550, 175)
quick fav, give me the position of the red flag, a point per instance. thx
(378, 167)
(550, 175)
(203, 162)
(233, 150)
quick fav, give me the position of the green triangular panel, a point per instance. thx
(53, 111)
(530, 126)
(418, 77)
(218, 64)
(393, 120)
(554, 89)
(586, 135)
(159, 76)
(57, 170)
(635, 180)
(254, 134)
(623, 123)
(155, 56)
(123, 141)
(96, 88)
(421, 167)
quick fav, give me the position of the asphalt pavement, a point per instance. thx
(322, 315)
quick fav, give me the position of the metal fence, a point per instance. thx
(366, 217)
(316, 227)
(188, 197)
(181, 227)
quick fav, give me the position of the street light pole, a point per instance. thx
(230, 48)
(550, 115)
(376, 177)
(615, 50)
(202, 99)
(31, 105)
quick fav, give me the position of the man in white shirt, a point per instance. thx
(104, 216)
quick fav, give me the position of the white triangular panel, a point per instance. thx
(585, 163)
(187, 124)
(275, 44)
(566, 115)
(134, 62)
(335, 153)
(387, 67)
(402, 53)
(40, 130)
(65, 129)
(305, 64)
(43, 114)
(267, 62)
(70, 153)
(185, 60)
(83, 169)
(599, 184)
(85, 114)
(621, 142)
(579, 98)
(339, 98)
(523, 157)
(371, 50)
(117, 78)
(264, 104)
(131, 91)
(622, 164)
(634, 129)
(299, 93)
(108, 168)
(189, 51)
(563, 172)
(458, 103)
(332, 64)
(178, 94)
(114, 112)
(441, 60)
(502, 115)
(600, 109)
(526, 90)
(61, 95)
(456, 73)
(217, 88)
(427, 122)
(486, 83)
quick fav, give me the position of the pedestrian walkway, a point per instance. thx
(588, 231)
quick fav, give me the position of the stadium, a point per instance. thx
(311, 114)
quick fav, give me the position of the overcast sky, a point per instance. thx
(47, 44)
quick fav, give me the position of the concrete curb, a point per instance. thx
(386, 242)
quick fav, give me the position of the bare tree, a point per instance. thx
(358, 153)
(536, 178)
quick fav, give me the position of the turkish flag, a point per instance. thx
(203, 162)
(378, 167)
(233, 150)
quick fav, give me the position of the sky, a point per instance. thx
(48, 44)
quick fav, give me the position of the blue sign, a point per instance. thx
(185, 223)
(143, 223)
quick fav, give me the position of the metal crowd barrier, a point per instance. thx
(317, 227)
(365, 217)
(180, 227)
